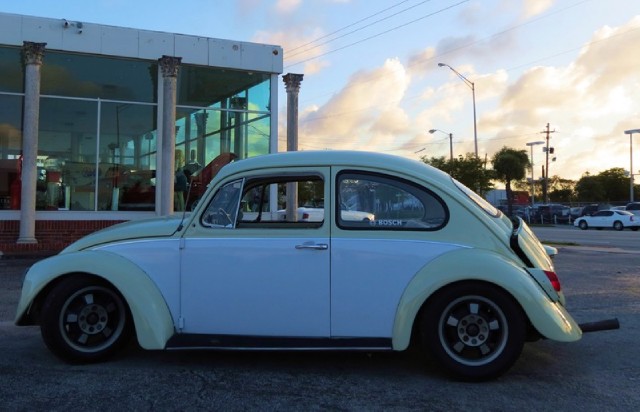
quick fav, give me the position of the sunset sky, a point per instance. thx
(372, 81)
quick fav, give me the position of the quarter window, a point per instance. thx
(384, 203)
(223, 209)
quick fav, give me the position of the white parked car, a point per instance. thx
(633, 207)
(609, 219)
(438, 267)
(315, 214)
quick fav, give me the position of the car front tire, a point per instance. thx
(85, 320)
(583, 225)
(475, 330)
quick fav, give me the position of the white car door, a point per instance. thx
(602, 218)
(245, 272)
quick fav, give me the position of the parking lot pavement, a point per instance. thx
(597, 373)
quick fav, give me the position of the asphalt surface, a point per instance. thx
(601, 372)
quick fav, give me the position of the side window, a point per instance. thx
(282, 202)
(223, 209)
(384, 203)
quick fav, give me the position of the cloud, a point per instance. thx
(287, 6)
(364, 114)
(587, 101)
(532, 8)
(421, 63)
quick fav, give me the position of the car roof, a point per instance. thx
(343, 158)
(622, 212)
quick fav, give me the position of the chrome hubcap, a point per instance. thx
(473, 330)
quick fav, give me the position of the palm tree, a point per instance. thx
(510, 165)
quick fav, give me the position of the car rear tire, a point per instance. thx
(583, 225)
(617, 225)
(475, 330)
(85, 320)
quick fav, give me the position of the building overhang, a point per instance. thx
(83, 37)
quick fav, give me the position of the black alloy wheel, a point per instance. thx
(85, 320)
(475, 330)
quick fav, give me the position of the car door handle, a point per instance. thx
(315, 246)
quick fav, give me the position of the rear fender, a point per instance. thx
(153, 322)
(548, 317)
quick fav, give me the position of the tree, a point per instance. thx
(607, 186)
(561, 190)
(468, 170)
(510, 165)
(589, 188)
(615, 183)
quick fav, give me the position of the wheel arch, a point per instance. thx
(152, 319)
(549, 318)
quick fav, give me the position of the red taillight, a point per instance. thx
(553, 278)
(305, 216)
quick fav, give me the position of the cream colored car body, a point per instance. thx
(476, 246)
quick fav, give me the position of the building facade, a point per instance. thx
(102, 124)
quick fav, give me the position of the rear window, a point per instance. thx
(477, 199)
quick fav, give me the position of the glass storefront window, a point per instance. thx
(67, 154)
(127, 157)
(10, 150)
(209, 87)
(97, 138)
(75, 75)
(81, 168)
(11, 69)
(205, 134)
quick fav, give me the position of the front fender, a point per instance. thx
(151, 316)
(550, 318)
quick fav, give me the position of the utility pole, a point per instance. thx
(545, 171)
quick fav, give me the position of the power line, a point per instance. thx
(347, 26)
(378, 34)
(468, 45)
(492, 36)
(287, 56)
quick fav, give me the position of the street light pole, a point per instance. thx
(531, 144)
(630, 133)
(473, 95)
(432, 131)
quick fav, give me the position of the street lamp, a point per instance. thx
(531, 144)
(473, 93)
(432, 131)
(630, 133)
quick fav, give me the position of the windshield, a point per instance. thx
(477, 199)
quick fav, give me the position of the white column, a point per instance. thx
(165, 180)
(33, 54)
(292, 85)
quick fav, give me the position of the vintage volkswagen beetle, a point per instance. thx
(437, 264)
